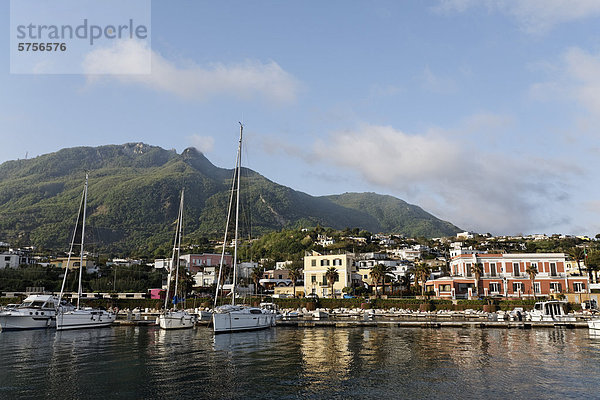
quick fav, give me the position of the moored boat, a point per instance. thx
(37, 311)
(237, 318)
(551, 311)
(173, 318)
(86, 317)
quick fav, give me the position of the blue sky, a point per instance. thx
(485, 113)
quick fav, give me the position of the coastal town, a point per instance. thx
(469, 266)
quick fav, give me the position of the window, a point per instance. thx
(553, 269)
(468, 270)
(492, 269)
(537, 288)
(337, 261)
(325, 283)
(324, 263)
(579, 287)
(517, 287)
(313, 263)
(7, 258)
(445, 288)
(280, 276)
(494, 287)
(365, 276)
(515, 269)
(555, 286)
(313, 278)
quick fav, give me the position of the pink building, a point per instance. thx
(197, 262)
(506, 275)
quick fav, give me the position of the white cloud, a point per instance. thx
(479, 190)
(127, 61)
(577, 77)
(533, 16)
(203, 144)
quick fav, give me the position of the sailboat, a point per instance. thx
(232, 317)
(86, 317)
(175, 318)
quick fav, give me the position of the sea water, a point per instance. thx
(300, 363)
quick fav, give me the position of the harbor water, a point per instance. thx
(290, 363)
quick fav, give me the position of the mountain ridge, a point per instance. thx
(133, 199)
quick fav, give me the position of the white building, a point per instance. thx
(9, 260)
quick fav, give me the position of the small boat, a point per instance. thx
(594, 323)
(550, 311)
(68, 317)
(174, 318)
(320, 314)
(232, 317)
(38, 311)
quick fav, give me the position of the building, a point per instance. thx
(196, 262)
(61, 262)
(315, 268)
(273, 278)
(505, 275)
(9, 260)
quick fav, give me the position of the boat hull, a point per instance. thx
(594, 324)
(12, 321)
(238, 321)
(83, 319)
(176, 320)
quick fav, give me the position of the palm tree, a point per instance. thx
(422, 273)
(294, 273)
(532, 271)
(376, 277)
(593, 263)
(256, 275)
(332, 275)
(477, 271)
(578, 254)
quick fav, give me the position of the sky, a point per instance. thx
(484, 113)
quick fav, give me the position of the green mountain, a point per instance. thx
(134, 195)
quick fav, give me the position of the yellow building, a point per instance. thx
(61, 262)
(315, 268)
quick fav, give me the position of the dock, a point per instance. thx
(430, 324)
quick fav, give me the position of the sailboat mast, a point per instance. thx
(237, 215)
(64, 282)
(85, 190)
(225, 237)
(180, 229)
(172, 265)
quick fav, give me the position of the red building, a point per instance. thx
(507, 275)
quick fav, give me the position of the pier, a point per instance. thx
(430, 324)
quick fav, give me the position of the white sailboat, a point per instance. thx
(175, 318)
(232, 317)
(87, 317)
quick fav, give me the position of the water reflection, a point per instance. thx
(141, 362)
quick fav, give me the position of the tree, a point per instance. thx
(578, 254)
(422, 273)
(378, 273)
(477, 271)
(532, 271)
(256, 275)
(332, 275)
(294, 273)
(593, 263)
